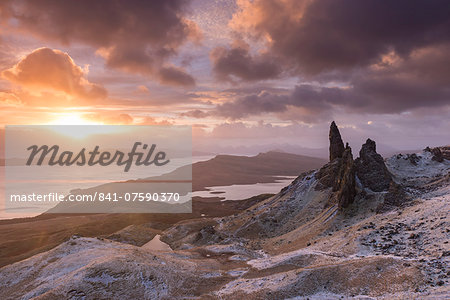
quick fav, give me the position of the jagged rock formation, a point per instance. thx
(395, 197)
(370, 168)
(336, 144)
(437, 154)
(445, 150)
(346, 180)
(413, 158)
(373, 174)
(339, 173)
(326, 176)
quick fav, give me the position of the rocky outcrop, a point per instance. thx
(445, 150)
(345, 183)
(370, 168)
(326, 176)
(373, 174)
(395, 197)
(339, 173)
(336, 144)
(437, 154)
(413, 158)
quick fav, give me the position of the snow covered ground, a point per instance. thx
(400, 254)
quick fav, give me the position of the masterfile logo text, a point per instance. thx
(98, 169)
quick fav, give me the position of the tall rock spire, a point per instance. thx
(336, 144)
(345, 181)
(339, 173)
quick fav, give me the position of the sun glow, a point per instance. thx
(72, 119)
(78, 127)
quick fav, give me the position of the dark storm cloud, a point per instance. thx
(313, 102)
(196, 113)
(175, 76)
(380, 56)
(399, 87)
(318, 36)
(237, 61)
(256, 104)
(134, 36)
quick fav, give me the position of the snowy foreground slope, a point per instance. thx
(295, 245)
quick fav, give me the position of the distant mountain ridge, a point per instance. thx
(264, 167)
(225, 169)
(222, 170)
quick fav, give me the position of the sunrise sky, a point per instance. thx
(247, 74)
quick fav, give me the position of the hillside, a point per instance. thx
(223, 170)
(363, 228)
(46, 231)
(230, 169)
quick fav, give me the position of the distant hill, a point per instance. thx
(48, 230)
(264, 167)
(225, 170)
(222, 170)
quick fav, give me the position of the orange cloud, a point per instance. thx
(143, 89)
(132, 35)
(152, 121)
(9, 100)
(46, 68)
(112, 119)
